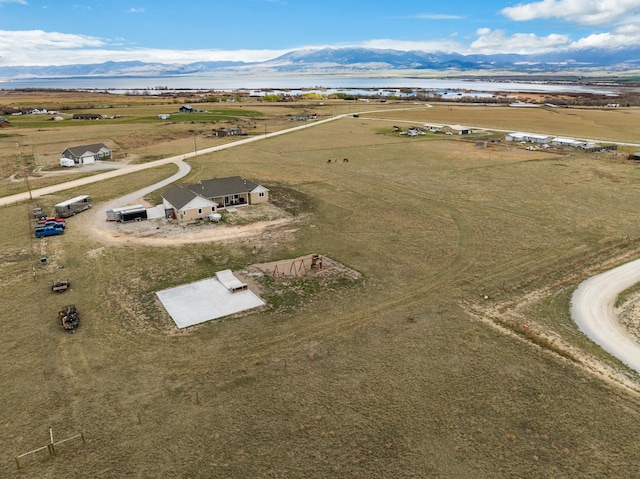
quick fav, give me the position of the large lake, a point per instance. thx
(295, 82)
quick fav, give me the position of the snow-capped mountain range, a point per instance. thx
(361, 60)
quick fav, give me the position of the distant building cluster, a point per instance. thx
(547, 140)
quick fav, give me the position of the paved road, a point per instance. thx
(592, 310)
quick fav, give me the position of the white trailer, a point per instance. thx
(67, 162)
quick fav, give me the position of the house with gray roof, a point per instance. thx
(196, 201)
(85, 154)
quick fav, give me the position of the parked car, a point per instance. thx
(56, 224)
(42, 231)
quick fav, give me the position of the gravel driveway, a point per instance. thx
(592, 308)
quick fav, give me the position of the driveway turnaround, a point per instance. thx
(592, 308)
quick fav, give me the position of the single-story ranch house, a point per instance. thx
(194, 202)
(85, 154)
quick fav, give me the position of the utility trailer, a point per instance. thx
(125, 214)
(60, 286)
(73, 206)
(133, 214)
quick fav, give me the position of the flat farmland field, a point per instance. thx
(421, 368)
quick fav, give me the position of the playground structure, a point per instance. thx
(297, 268)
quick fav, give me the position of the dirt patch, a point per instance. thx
(256, 224)
(312, 266)
(629, 315)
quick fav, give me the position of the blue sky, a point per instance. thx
(58, 32)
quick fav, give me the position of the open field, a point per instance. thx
(134, 133)
(421, 368)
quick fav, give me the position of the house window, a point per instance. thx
(213, 209)
(261, 194)
(199, 211)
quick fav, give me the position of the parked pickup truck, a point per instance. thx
(49, 230)
(56, 224)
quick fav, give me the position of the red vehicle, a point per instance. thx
(50, 219)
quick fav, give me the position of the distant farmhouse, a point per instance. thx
(87, 116)
(227, 132)
(528, 137)
(448, 129)
(572, 143)
(186, 109)
(86, 154)
(457, 129)
(194, 202)
(558, 142)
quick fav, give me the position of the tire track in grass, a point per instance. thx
(407, 300)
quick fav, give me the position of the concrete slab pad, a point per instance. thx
(205, 300)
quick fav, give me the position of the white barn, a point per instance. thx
(528, 137)
(571, 142)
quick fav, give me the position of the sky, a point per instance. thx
(61, 32)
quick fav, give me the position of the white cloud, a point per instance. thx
(587, 12)
(21, 2)
(621, 37)
(39, 48)
(135, 10)
(495, 41)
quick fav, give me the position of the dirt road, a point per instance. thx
(592, 308)
(179, 160)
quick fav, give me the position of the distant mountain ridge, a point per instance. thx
(360, 60)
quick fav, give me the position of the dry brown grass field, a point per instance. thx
(420, 369)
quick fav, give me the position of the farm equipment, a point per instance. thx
(60, 286)
(38, 213)
(69, 317)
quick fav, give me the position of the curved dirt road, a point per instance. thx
(592, 310)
